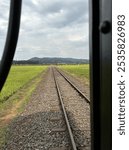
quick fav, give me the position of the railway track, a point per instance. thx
(74, 86)
(75, 144)
(50, 124)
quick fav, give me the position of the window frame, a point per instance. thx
(101, 74)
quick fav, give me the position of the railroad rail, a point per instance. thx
(74, 86)
(68, 124)
(61, 118)
(73, 144)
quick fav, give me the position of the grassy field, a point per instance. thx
(25, 78)
(81, 71)
(18, 77)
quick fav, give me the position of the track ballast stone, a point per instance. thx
(78, 111)
(41, 126)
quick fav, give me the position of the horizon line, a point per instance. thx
(50, 57)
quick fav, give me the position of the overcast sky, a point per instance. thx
(49, 28)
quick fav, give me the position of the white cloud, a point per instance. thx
(49, 28)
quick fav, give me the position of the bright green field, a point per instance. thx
(18, 77)
(77, 70)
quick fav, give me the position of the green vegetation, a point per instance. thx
(27, 79)
(18, 77)
(21, 83)
(77, 70)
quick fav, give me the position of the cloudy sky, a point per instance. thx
(49, 28)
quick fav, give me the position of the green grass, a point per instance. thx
(27, 79)
(18, 77)
(81, 71)
(15, 105)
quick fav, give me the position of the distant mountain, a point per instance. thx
(52, 60)
(57, 60)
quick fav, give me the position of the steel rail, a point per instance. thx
(65, 114)
(75, 87)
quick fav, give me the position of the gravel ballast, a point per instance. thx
(42, 127)
(78, 111)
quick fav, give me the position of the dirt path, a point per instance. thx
(33, 129)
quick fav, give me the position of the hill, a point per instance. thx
(52, 60)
